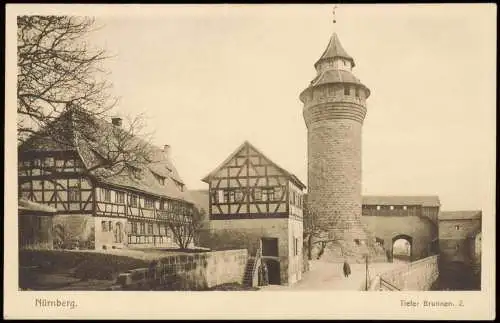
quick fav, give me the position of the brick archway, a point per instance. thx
(405, 237)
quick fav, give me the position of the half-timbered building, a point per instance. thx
(95, 206)
(257, 205)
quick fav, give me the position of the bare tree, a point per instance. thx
(118, 148)
(184, 227)
(56, 67)
(311, 229)
(59, 73)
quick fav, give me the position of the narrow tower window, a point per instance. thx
(347, 91)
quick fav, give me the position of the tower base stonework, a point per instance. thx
(328, 248)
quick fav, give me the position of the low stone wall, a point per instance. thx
(197, 271)
(417, 275)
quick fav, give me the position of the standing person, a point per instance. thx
(347, 269)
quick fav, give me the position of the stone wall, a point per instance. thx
(417, 275)
(334, 172)
(420, 229)
(247, 234)
(295, 260)
(197, 271)
(458, 229)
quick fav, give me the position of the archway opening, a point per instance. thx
(401, 249)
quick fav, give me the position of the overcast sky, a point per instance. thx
(210, 77)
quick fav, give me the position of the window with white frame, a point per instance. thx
(120, 197)
(133, 200)
(107, 195)
(149, 203)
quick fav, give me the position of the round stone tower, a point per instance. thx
(334, 110)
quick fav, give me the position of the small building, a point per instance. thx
(35, 225)
(460, 235)
(68, 166)
(256, 204)
(460, 239)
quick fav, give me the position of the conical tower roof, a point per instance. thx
(335, 49)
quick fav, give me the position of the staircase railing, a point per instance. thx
(258, 257)
(388, 284)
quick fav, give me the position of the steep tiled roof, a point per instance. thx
(335, 49)
(29, 206)
(337, 76)
(430, 200)
(93, 148)
(291, 176)
(460, 215)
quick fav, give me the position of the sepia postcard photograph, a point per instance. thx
(244, 161)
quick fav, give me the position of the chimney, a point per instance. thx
(117, 121)
(166, 150)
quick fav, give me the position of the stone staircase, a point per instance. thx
(251, 269)
(249, 272)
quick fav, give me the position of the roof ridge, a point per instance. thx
(247, 143)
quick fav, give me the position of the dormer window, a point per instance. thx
(136, 171)
(392, 207)
(179, 185)
(160, 179)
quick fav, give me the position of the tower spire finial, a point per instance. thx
(333, 12)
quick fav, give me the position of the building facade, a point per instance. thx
(460, 239)
(334, 111)
(96, 206)
(255, 204)
(410, 218)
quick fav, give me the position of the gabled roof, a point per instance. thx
(92, 148)
(291, 176)
(335, 49)
(29, 206)
(460, 215)
(430, 200)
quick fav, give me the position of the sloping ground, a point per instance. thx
(329, 276)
